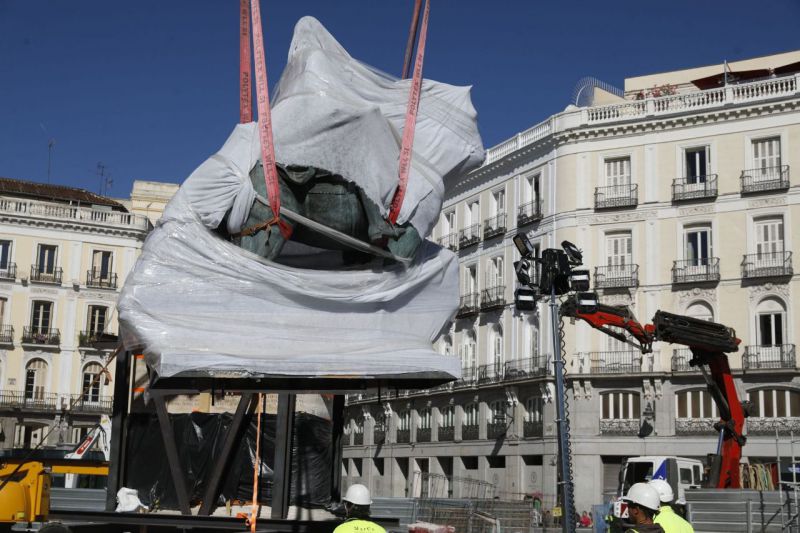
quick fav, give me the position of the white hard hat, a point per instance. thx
(643, 495)
(664, 490)
(358, 495)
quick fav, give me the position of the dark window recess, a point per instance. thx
(357, 467)
(496, 461)
(470, 463)
(532, 460)
(378, 462)
(696, 168)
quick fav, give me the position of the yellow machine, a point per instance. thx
(26, 496)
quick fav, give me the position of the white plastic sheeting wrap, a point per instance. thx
(198, 305)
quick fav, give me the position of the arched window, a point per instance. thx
(695, 404)
(621, 405)
(700, 311)
(92, 382)
(35, 379)
(775, 403)
(770, 322)
(497, 412)
(471, 415)
(425, 419)
(533, 409)
(448, 417)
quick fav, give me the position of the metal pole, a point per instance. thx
(567, 503)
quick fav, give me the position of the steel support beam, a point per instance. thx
(118, 437)
(337, 431)
(282, 465)
(168, 436)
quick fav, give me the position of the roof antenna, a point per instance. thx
(50, 144)
(105, 178)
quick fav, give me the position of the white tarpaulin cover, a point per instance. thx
(197, 303)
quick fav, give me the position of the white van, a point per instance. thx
(680, 472)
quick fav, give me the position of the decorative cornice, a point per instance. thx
(694, 426)
(769, 289)
(697, 293)
(768, 426)
(619, 426)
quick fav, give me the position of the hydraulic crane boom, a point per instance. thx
(709, 342)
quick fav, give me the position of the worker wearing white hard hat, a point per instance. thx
(643, 504)
(667, 518)
(356, 504)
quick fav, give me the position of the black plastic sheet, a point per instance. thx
(199, 439)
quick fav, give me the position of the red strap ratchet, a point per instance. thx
(245, 78)
(406, 148)
(264, 116)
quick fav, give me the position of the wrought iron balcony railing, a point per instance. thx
(423, 434)
(449, 241)
(403, 436)
(43, 336)
(45, 401)
(86, 339)
(97, 279)
(495, 430)
(625, 362)
(446, 434)
(765, 179)
(770, 264)
(9, 271)
(529, 212)
(616, 196)
(469, 376)
(491, 373)
(6, 334)
(694, 188)
(469, 236)
(695, 270)
(533, 429)
(616, 276)
(91, 403)
(494, 226)
(779, 356)
(358, 439)
(470, 432)
(468, 304)
(493, 297)
(46, 276)
(527, 368)
(680, 360)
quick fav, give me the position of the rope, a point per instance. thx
(257, 467)
(412, 36)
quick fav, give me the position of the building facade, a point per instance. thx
(679, 191)
(64, 255)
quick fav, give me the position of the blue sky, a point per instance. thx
(150, 87)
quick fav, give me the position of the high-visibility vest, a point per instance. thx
(356, 525)
(671, 522)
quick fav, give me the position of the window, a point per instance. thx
(695, 404)
(448, 417)
(497, 412)
(618, 173)
(767, 159)
(41, 316)
(448, 222)
(5, 255)
(775, 403)
(621, 405)
(35, 379)
(619, 250)
(769, 238)
(470, 280)
(494, 273)
(696, 164)
(771, 320)
(46, 258)
(530, 188)
(3, 305)
(425, 419)
(697, 244)
(534, 407)
(471, 415)
(404, 420)
(686, 476)
(101, 265)
(532, 341)
(446, 346)
(472, 213)
(498, 202)
(469, 352)
(701, 311)
(91, 382)
(96, 321)
(497, 350)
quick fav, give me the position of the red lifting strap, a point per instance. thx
(245, 79)
(406, 148)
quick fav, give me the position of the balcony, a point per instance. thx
(680, 360)
(41, 336)
(765, 179)
(379, 436)
(695, 270)
(8, 272)
(423, 434)
(785, 426)
(533, 429)
(35, 209)
(530, 212)
(494, 226)
(626, 362)
(619, 426)
(469, 236)
(491, 373)
(403, 436)
(449, 241)
(616, 276)
(527, 368)
(495, 430)
(470, 432)
(469, 376)
(447, 434)
(88, 403)
(46, 276)
(86, 339)
(694, 188)
(468, 305)
(695, 426)
(616, 196)
(358, 438)
(773, 357)
(763, 265)
(40, 401)
(493, 298)
(6, 334)
(100, 280)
